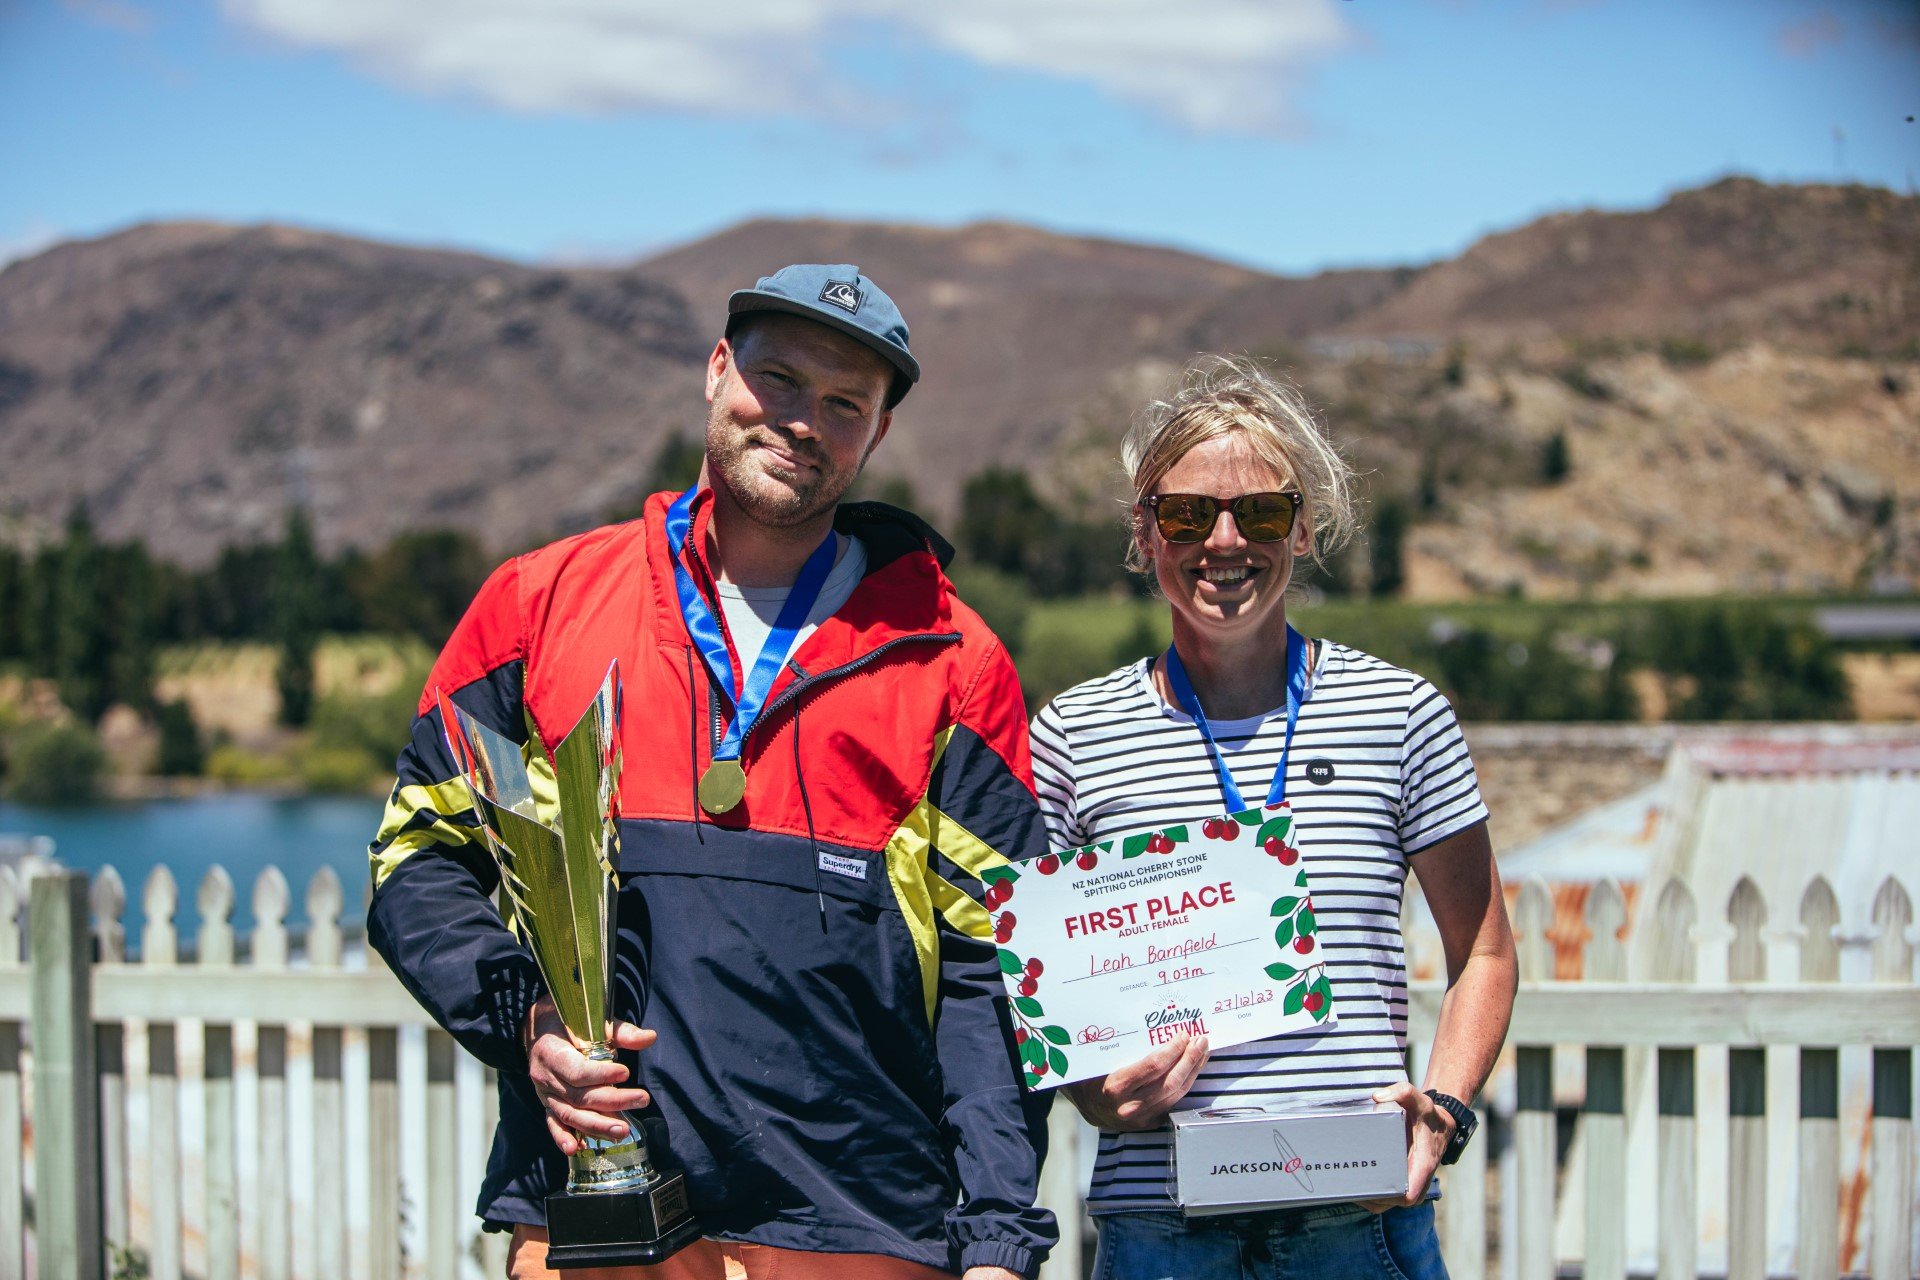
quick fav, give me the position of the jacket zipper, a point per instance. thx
(799, 687)
(808, 682)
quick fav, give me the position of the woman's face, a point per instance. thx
(1226, 585)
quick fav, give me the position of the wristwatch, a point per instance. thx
(1464, 1123)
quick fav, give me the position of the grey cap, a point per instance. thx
(838, 296)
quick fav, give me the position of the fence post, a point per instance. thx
(1604, 1114)
(1892, 1245)
(1747, 1099)
(1674, 917)
(1818, 1237)
(1534, 1123)
(66, 1087)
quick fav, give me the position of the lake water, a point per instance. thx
(242, 833)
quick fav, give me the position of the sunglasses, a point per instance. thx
(1190, 517)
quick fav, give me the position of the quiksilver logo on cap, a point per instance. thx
(842, 294)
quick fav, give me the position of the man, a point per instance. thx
(800, 922)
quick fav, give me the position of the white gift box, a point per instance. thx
(1246, 1158)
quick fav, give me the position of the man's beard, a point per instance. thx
(776, 503)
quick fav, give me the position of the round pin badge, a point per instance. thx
(1320, 772)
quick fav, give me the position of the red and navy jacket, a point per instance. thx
(835, 1067)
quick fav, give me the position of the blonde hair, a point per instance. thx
(1224, 395)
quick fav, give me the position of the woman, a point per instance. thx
(1233, 483)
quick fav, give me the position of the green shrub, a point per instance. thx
(1000, 599)
(182, 752)
(1682, 352)
(1057, 661)
(55, 764)
(240, 767)
(336, 769)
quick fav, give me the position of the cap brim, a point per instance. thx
(748, 300)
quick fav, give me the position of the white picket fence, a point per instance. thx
(265, 1118)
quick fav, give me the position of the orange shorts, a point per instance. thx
(720, 1260)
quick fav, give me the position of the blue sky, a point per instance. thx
(1288, 134)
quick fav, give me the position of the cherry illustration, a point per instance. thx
(1028, 986)
(1314, 1002)
(1003, 927)
(1087, 860)
(1288, 855)
(1040, 1068)
(1211, 828)
(1303, 945)
(1047, 865)
(1020, 1035)
(1273, 846)
(1229, 829)
(1035, 968)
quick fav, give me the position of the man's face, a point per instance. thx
(795, 408)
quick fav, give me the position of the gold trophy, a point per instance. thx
(552, 824)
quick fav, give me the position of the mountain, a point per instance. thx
(189, 381)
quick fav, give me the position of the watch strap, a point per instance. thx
(1464, 1123)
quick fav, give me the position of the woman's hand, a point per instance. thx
(579, 1095)
(1139, 1095)
(1429, 1128)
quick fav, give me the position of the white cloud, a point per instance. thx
(1208, 64)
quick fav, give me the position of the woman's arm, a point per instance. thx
(1462, 885)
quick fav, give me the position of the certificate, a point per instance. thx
(1111, 950)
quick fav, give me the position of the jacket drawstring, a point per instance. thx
(813, 844)
(693, 747)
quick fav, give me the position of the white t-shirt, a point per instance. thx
(752, 611)
(1378, 772)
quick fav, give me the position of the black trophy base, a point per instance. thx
(620, 1228)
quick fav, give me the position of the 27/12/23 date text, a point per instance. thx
(1243, 999)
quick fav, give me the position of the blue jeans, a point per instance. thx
(1328, 1242)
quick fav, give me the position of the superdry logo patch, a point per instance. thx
(842, 294)
(852, 868)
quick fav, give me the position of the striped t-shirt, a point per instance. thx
(1378, 772)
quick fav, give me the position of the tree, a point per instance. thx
(182, 751)
(1386, 554)
(296, 618)
(1555, 462)
(14, 587)
(129, 578)
(420, 583)
(1001, 518)
(82, 653)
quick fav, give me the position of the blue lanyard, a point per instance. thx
(1296, 697)
(705, 628)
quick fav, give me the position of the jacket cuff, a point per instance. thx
(1016, 1258)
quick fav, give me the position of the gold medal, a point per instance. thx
(722, 785)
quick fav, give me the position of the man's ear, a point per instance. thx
(717, 365)
(880, 434)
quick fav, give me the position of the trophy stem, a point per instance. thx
(610, 1164)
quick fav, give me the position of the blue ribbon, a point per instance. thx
(1296, 697)
(748, 698)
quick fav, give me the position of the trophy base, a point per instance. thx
(620, 1228)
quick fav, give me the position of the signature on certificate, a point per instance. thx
(1094, 1035)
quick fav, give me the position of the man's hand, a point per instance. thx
(580, 1096)
(1429, 1129)
(1139, 1095)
